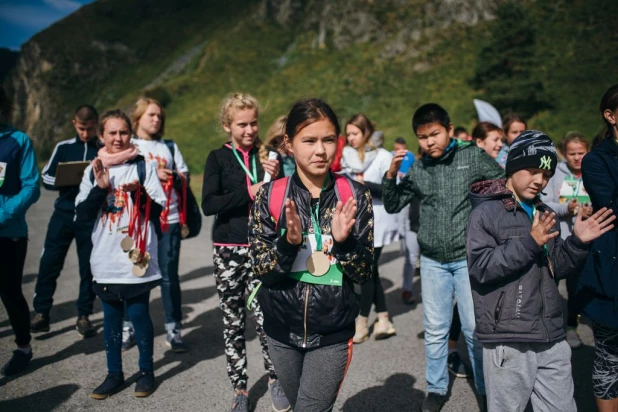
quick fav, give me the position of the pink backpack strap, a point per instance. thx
(344, 188)
(276, 198)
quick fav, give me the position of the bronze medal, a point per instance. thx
(127, 244)
(145, 259)
(318, 264)
(140, 270)
(184, 231)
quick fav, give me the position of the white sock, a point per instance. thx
(27, 350)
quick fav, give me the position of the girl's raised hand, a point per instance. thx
(101, 174)
(593, 227)
(344, 219)
(272, 166)
(294, 232)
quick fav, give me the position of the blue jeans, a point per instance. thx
(168, 258)
(137, 309)
(441, 284)
(169, 255)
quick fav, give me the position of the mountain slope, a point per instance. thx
(382, 58)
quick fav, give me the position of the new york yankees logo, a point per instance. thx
(545, 163)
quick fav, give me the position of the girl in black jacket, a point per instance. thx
(232, 176)
(308, 260)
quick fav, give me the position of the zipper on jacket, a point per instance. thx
(498, 310)
(307, 289)
(85, 150)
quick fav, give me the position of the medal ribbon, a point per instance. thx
(253, 176)
(167, 188)
(136, 220)
(315, 218)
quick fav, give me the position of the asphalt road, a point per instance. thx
(384, 376)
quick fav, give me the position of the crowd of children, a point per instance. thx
(494, 218)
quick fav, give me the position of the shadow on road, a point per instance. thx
(42, 401)
(397, 394)
(68, 310)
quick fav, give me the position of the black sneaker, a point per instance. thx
(84, 327)
(145, 384)
(433, 402)
(40, 323)
(18, 363)
(457, 367)
(112, 384)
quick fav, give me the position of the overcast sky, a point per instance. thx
(22, 19)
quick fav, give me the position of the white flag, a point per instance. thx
(487, 113)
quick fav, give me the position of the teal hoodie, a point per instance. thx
(19, 181)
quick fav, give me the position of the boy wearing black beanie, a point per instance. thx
(515, 257)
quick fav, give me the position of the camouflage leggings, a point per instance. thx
(233, 276)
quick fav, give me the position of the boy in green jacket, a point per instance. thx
(441, 180)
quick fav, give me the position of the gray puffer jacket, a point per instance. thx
(513, 283)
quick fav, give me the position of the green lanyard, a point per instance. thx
(252, 176)
(315, 218)
(577, 184)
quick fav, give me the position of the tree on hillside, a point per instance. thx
(507, 67)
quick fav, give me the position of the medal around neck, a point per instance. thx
(140, 270)
(318, 264)
(127, 244)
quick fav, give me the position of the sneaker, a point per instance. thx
(18, 363)
(456, 366)
(112, 384)
(145, 384)
(84, 327)
(240, 402)
(362, 331)
(277, 397)
(174, 341)
(408, 297)
(40, 323)
(433, 402)
(383, 329)
(573, 339)
(128, 338)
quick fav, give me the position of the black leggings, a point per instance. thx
(11, 274)
(372, 291)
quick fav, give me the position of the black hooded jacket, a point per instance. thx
(514, 284)
(302, 314)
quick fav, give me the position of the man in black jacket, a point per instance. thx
(63, 228)
(515, 257)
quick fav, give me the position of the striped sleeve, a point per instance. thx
(49, 171)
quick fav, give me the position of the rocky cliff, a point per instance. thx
(112, 48)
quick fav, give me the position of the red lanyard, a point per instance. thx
(141, 236)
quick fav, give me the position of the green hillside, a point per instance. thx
(575, 58)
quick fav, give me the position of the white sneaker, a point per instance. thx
(128, 338)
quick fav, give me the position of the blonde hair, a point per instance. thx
(275, 131)
(140, 107)
(236, 102)
(367, 127)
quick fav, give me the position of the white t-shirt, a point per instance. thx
(385, 228)
(109, 263)
(157, 152)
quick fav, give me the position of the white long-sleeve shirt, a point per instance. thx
(109, 263)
